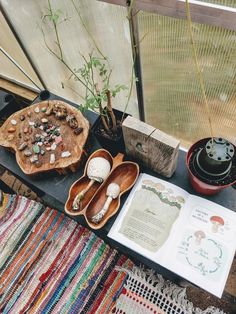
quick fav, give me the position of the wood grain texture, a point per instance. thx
(71, 142)
(150, 146)
(124, 174)
(201, 12)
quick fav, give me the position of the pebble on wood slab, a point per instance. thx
(36, 110)
(27, 153)
(36, 149)
(22, 146)
(65, 154)
(44, 120)
(53, 146)
(11, 130)
(13, 122)
(33, 159)
(52, 158)
(78, 131)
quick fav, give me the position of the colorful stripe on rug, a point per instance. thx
(51, 264)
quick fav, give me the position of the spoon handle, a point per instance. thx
(81, 194)
(96, 218)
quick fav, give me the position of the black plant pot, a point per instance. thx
(113, 144)
(211, 165)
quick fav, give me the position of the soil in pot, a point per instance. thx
(113, 142)
(213, 170)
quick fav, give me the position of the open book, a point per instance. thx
(189, 235)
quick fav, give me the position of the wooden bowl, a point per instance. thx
(125, 175)
(80, 184)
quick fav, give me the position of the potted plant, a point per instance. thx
(94, 76)
(211, 163)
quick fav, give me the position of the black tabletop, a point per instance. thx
(54, 188)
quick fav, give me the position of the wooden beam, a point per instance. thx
(15, 88)
(201, 12)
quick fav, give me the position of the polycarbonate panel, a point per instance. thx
(107, 24)
(172, 95)
(11, 46)
(229, 3)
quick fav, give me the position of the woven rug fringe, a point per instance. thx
(171, 291)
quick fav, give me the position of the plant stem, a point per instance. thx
(110, 111)
(104, 122)
(199, 72)
(55, 28)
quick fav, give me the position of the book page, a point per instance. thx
(204, 245)
(146, 219)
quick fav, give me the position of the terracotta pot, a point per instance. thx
(211, 185)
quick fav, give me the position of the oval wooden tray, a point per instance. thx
(125, 175)
(80, 184)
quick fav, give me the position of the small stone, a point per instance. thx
(11, 130)
(40, 144)
(73, 123)
(22, 146)
(44, 109)
(52, 158)
(78, 130)
(29, 114)
(48, 111)
(22, 117)
(33, 159)
(41, 127)
(27, 153)
(36, 110)
(31, 123)
(65, 154)
(13, 122)
(44, 120)
(58, 139)
(38, 163)
(44, 134)
(42, 152)
(38, 136)
(53, 146)
(48, 148)
(26, 130)
(10, 137)
(36, 149)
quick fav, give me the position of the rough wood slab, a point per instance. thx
(150, 146)
(13, 135)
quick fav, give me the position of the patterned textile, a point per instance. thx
(51, 264)
(147, 293)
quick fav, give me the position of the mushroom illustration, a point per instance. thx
(199, 236)
(216, 221)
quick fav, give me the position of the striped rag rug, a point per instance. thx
(51, 264)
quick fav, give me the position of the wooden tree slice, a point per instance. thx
(49, 130)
